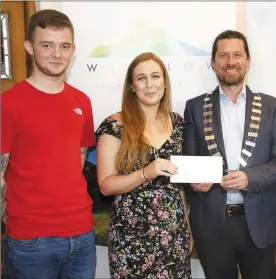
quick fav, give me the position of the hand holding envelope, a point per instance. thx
(197, 169)
(159, 167)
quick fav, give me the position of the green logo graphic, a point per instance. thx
(142, 37)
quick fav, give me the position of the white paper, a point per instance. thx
(197, 169)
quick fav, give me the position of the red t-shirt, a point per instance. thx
(46, 189)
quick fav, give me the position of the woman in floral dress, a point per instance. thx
(149, 234)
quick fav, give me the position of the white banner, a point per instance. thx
(110, 35)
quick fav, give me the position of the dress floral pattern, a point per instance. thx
(148, 234)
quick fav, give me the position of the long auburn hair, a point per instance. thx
(134, 144)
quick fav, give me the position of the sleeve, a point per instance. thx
(88, 138)
(7, 129)
(179, 125)
(111, 127)
(264, 175)
(179, 122)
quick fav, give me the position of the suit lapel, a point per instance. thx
(248, 110)
(216, 125)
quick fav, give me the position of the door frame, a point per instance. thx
(29, 10)
(23, 9)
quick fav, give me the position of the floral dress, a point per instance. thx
(148, 234)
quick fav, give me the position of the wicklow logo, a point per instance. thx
(142, 37)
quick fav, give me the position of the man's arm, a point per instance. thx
(4, 164)
(259, 177)
(84, 152)
(264, 175)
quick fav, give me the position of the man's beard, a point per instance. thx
(46, 71)
(230, 81)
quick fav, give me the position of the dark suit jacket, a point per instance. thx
(208, 208)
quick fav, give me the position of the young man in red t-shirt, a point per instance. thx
(47, 126)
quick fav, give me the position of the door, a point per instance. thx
(13, 55)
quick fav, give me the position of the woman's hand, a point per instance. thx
(159, 167)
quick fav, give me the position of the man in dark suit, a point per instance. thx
(234, 222)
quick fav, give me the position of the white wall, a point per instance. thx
(41, 5)
(261, 30)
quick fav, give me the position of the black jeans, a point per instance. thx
(235, 250)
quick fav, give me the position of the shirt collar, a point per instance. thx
(224, 97)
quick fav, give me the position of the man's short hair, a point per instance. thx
(47, 18)
(230, 34)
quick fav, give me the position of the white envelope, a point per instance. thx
(197, 169)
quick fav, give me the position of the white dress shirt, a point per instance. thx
(232, 121)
